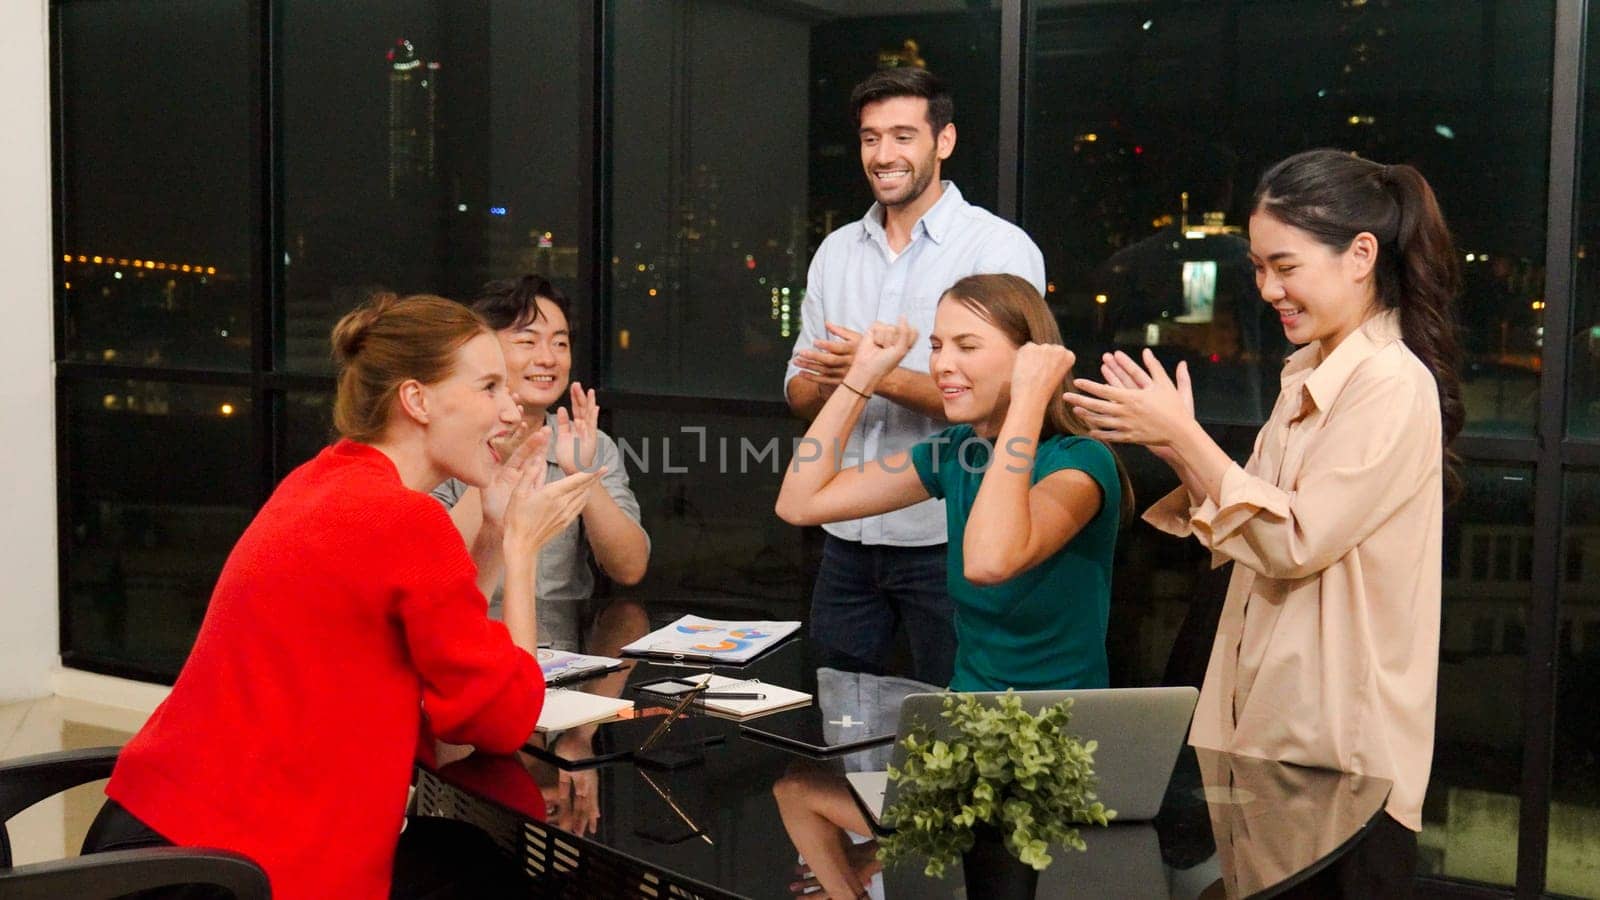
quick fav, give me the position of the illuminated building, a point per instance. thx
(413, 120)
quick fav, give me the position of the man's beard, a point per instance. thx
(923, 177)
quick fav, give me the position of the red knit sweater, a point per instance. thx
(348, 610)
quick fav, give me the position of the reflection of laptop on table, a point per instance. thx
(1140, 731)
(815, 733)
(855, 711)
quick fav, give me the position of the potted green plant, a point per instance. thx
(997, 786)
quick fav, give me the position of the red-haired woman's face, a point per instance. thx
(469, 411)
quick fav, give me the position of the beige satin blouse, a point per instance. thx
(1327, 652)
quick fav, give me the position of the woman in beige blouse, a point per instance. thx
(1328, 646)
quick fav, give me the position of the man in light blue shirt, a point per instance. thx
(918, 239)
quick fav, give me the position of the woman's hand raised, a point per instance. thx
(878, 353)
(1038, 372)
(523, 449)
(1136, 405)
(537, 512)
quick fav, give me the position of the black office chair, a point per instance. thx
(29, 779)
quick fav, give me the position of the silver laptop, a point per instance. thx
(1139, 730)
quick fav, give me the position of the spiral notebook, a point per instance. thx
(712, 640)
(568, 709)
(768, 698)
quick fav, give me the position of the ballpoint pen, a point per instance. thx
(687, 698)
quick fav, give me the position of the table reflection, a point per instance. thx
(1276, 824)
(743, 813)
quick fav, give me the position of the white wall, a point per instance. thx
(29, 645)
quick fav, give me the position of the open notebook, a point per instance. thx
(769, 698)
(569, 709)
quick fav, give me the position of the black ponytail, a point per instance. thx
(1335, 196)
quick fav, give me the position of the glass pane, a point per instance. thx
(1583, 379)
(308, 426)
(1470, 813)
(158, 182)
(1165, 596)
(706, 486)
(1573, 860)
(1148, 124)
(428, 147)
(145, 547)
(719, 205)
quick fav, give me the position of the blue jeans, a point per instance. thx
(864, 591)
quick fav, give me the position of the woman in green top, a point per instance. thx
(1032, 506)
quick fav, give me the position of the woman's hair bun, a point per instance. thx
(351, 332)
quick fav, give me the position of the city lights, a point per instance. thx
(142, 264)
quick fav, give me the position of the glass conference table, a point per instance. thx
(1229, 826)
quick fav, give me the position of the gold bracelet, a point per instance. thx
(852, 390)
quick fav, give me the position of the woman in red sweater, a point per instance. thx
(347, 622)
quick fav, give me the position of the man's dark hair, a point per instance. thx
(906, 81)
(515, 301)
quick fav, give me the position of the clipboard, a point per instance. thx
(692, 640)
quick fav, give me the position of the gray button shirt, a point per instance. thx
(855, 280)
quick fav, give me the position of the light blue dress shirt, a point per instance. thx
(855, 280)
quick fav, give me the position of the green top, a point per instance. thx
(1044, 629)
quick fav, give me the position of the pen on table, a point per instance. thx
(731, 695)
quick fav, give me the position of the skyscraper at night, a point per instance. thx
(413, 120)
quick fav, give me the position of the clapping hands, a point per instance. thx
(829, 360)
(522, 449)
(577, 435)
(1135, 405)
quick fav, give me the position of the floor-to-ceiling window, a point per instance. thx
(232, 177)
